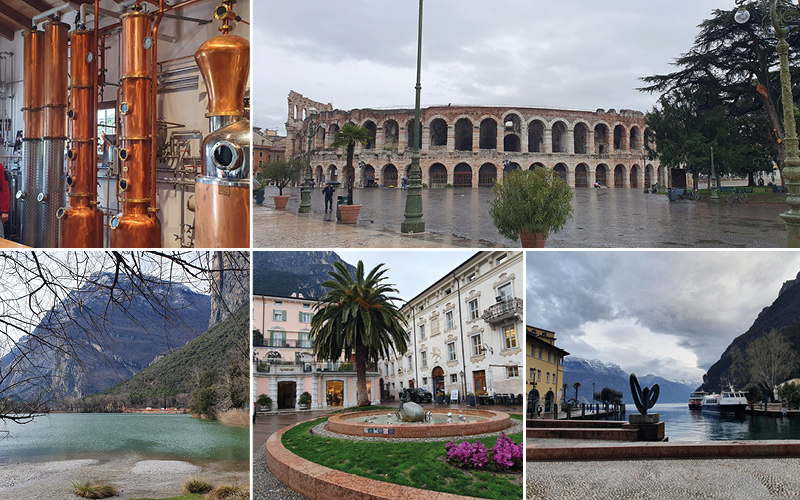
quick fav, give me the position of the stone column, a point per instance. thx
(402, 139)
(273, 390)
(501, 135)
(314, 390)
(571, 177)
(299, 389)
(590, 175)
(345, 392)
(523, 138)
(626, 177)
(571, 141)
(476, 138)
(380, 138)
(547, 147)
(590, 143)
(451, 138)
(426, 137)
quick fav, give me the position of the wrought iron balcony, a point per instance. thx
(503, 311)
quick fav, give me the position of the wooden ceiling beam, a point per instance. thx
(6, 30)
(39, 5)
(22, 21)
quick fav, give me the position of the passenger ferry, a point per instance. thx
(728, 402)
(696, 400)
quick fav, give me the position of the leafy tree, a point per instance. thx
(770, 360)
(283, 172)
(258, 337)
(609, 396)
(348, 136)
(204, 396)
(356, 315)
(737, 65)
(791, 394)
(754, 392)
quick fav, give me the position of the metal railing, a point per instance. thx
(503, 309)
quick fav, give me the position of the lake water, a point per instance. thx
(66, 436)
(683, 424)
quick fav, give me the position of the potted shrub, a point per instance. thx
(283, 173)
(439, 397)
(529, 205)
(264, 402)
(470, 399)
(348, 136)
(258, 188)
(304, 401)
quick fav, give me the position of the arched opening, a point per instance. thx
(561, 171)
(559, 137)
(619, 137)
(438, 379)
(619, 176)
(636, 139)
(548, 401)
(410, 134)
(438, 175)
(462, 176)
(600, 175)
(581, 176)
(287, 392)
(511, 133)
(333, 173)
(463, 135)
(438, 129)
(332, 131)
(509, 167)
(389, 176)
(649, 176)
(391, 134)
(581, 137)
(372, 130)
(320, 138)
(536, 165)
(369, 176)
(487, 175)
(600, 139)
(318, 175)
(536, 137)
(634, 178)
(488, 137)
(511, 144)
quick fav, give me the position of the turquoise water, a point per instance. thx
(683, 424)
(65, 436)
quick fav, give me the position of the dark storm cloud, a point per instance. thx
(701, 299)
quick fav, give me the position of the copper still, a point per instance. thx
(33, 74)
(222, 211)
(54, 108)
(81, 222)
(137, 225)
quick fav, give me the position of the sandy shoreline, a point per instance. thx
(133, 474)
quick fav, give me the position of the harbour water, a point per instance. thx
(683, 424)
(66, 436)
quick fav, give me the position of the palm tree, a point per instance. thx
(575, 386)
(349, 135)
(357, 315)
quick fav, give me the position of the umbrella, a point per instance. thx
(333, 183)
(404, 178)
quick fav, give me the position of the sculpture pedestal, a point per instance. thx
(649, 427)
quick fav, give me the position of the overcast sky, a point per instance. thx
(577, 54)
(667, 313)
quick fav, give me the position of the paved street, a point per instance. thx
(603, 218)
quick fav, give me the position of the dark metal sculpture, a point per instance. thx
(643, 399)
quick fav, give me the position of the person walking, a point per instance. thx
(328, 192)
(5, 200)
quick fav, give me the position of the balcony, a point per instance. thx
(292, 343)
(503, 311)
(289, 367)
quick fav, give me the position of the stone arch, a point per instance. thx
(487, 175)
(333, 173)
(438, 129)
(372, 131)
(389, 175)
(462, 176)
(536, 136)
(559, 140)
(561, 171)
(635, 139)
(581, 138)
(601, 174)
(319, 140)
(512, 127)
(649, 176)
(463, 132)
(619, 137)
(601, 139)
(368, 174)
(634, 177)
(391, 134)
(511, 143)
(488, 135)
(582, 175)
(410, 134)
(318, 174)
(536, 165)
(619, 176)
(437, 175)
(333, 129)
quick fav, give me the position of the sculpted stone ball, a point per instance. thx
(412, 412)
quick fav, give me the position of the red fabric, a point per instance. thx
(5, 196)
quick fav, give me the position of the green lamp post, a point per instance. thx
(791, 165)
(305, 191)
(413, 222)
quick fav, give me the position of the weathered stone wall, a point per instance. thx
(471, 146)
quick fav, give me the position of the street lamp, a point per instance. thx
(714, 190)
(791, 165)
(413, 222)
(305, 191)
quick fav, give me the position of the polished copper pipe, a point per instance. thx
(33, 91)
(55, 79)
(154, 106)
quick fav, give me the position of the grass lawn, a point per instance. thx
(416, 464)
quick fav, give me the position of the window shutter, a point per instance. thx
(283, 315)
(301, 316)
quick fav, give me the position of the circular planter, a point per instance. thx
(280, 202)
(531, 240)
(349, 213)
(347, 423)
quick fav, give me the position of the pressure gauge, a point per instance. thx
(147, 43)
(89, 58)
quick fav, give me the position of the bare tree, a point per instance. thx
(770, 359)
(42, 295)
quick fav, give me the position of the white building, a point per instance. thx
(466, 331)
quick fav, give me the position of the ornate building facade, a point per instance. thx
(472, 146)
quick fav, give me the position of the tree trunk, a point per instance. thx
(350, 172)
(361, 375)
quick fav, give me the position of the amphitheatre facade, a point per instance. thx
(470, 146)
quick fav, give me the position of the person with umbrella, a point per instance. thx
(328, 192)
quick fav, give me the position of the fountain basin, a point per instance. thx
(478, 422)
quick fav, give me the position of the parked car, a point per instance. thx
(418, 395)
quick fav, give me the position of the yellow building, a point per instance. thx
(545, 366)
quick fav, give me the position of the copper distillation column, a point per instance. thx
(222, 195)
(53, 193)
(81, 222)
(33, 74)
(136, 226)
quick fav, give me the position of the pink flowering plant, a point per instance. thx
(504, 456)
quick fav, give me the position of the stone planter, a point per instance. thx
(280, 202)
(302, 406)
(439, 400)
(531, 240)
(259, 197)
(349, 213)
(470, 400)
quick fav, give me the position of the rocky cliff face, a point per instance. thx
(284, 273)
(231, 286)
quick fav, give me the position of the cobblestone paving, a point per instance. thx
(609, 218)
(716, 479)
(265, 486)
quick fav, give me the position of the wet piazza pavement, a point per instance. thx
(459, 217)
